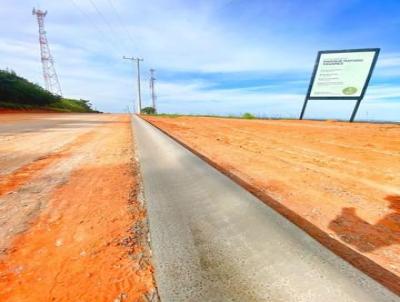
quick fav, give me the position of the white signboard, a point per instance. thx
(342, 74)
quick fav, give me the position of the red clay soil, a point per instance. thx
(25, 173)
(338, 181)
(88, 242)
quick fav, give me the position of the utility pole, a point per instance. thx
(49, 72)
(138, 60)
(153, 95)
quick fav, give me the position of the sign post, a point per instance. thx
(341, 75)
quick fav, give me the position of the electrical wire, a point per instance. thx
(109, 25)
(115, 46)
(121, 21)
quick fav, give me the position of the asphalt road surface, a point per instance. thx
(214, 241)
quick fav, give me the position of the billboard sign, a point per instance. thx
(341, 74)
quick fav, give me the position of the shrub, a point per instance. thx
(248, 116)
(18, 93)
(15, 89)
(148, 110)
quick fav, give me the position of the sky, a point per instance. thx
(210, 56)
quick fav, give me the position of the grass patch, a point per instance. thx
(247, 115)
(170, 115)
(68, 105)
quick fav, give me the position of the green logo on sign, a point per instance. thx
(349, 90)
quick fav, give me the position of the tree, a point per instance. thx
(148, 110)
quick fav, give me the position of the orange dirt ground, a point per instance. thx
(71, 226)
(338, 181)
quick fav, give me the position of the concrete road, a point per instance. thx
(214, 241)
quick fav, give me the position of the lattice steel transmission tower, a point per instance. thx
(153, 94)
(49, 72)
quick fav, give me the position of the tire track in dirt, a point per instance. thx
(24, 174)
(18, 208)
(89, 243)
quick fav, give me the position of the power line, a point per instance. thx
(115, 35)
(109, 25)
(113, 45)
(120, 19)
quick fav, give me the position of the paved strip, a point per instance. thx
(214, 241)
(36, 122)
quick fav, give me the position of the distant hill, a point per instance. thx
(20, 94)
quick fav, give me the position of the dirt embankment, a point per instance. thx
(8, 110)
(73, 228)
(338, 181)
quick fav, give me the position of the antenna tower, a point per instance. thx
(49, 72)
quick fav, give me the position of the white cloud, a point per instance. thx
(388, 65)
(390, 60)
(379, 92)
(202, 97)
(173, 36)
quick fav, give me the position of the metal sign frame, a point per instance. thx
(357, 98)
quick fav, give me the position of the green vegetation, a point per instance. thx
(15, 89)
(148, 110)
(248, 116)
(171, 115)
(20, 94)
(9, 105)
(73, 105)
(174, 115)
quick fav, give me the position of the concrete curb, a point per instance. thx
(152, 296)
(358, 260)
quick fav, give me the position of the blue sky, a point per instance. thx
(211, 57)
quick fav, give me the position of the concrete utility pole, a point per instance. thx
(153, 95)
(138, 80)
